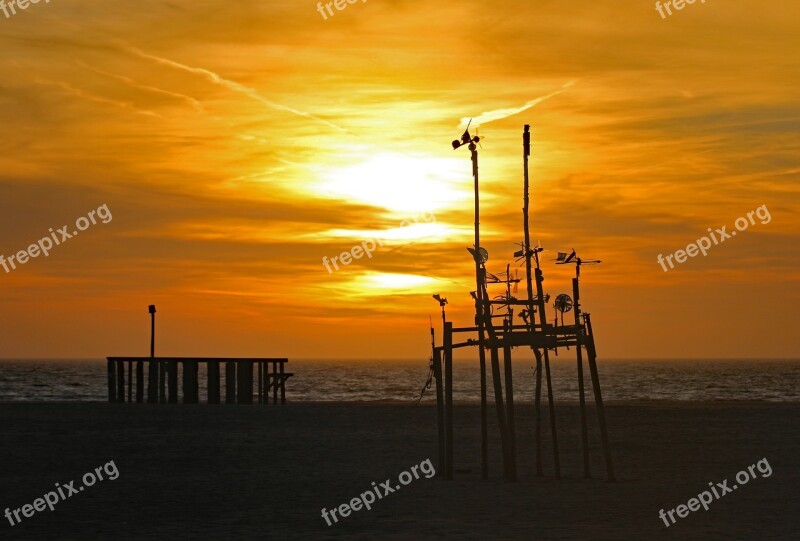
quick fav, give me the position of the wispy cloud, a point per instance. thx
(99, 99)
(230, 85)
(130, 82)
(498, 114)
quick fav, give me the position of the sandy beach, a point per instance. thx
(266, 472)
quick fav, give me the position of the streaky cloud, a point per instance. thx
(134, 84)
(230, 85)
(499, 114)
(98, 99)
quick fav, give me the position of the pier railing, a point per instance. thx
(162, 385)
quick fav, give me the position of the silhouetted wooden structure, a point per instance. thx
(240, 387)
(536, 333)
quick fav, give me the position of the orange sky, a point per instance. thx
(238, 143)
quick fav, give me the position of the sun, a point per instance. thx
(400, 183)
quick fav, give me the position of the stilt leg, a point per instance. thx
(512, 437)
(550, 406)
(437, 372)
(484, 413)
(538, 412)
(448, 398)
(598, 399)
(500, 407)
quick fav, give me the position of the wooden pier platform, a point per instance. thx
(162, 386)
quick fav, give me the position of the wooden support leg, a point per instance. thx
(437, 373)
(283, 385)
(230, 382)
(112, 381)
(152, 382)
(190, 383)
(139, 382)
(244, 372)
(484, 415)
(260, 382)
(448, 398)
(598, 399)
(162, 382)
(275, 383)
(121, 381)
(538, 412)
(553, 430)
(581, 393)
(269, 380)
(584, 425)
(500, 407)
(512, 436)
(172, 373)
(213, 382)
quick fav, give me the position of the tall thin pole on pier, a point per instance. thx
(526, 152)
(467, 139)
(542, 319)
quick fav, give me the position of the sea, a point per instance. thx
(378, 380)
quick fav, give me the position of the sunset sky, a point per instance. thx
(238, 143)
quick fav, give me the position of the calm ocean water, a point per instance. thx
(768, 380)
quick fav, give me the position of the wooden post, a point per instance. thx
(479, 281)
(213, 382)
(152, 382)
(244, 372)
(275, 382)
(112, 381)
(512, 437)
(448, 398)
(139, 382)
(172, 395)
(528, 253)
(120, 381)
(598, 399)
(500, 407)
(230, 382)
(283, 384)
(190, 383)
(538, 412)
(437, 373)
(260, 382)
(581, 394)
(269, 380)
(484, 412)
(553, 431)
(162, 382)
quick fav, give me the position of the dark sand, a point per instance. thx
(201, 472)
